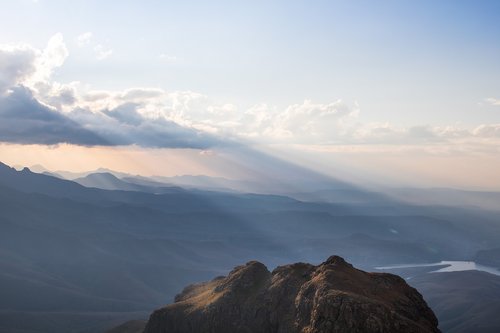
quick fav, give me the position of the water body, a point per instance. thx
(451, 266)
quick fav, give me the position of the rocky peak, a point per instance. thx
(298, 298)
(337, 261)
(244, 278)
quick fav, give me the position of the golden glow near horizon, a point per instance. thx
(133, 160)
(407, 167)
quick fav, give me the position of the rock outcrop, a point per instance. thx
(299, 298)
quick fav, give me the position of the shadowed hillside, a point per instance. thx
(465, 302)
(87, 258)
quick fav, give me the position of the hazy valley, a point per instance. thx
(87, 259)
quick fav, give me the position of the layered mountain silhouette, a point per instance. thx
(81, 259)
(330, 297)
(108, 181)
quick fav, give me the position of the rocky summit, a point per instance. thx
(298, 298)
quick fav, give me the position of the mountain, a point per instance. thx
(448, 197)
(330, 297)
(30, 182)
(201, 181)
(63, 245)
(74, 175)
(144, 181)
(108, 181)
(315, 190)
(464, 302)
(38, 168)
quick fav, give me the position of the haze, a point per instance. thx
(403, 92)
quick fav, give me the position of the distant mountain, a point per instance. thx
(348, 195)
(29, 182)
(312, 190)
(464, 302)
(145, 181)
(69, 175)
(80, 259)
(39, 168)
(447, 197)
(72, 175)
(108, 181)
(211, 183)
(330, 297)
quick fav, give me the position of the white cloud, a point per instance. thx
(141, 108)
(303, 123)
(168, 57)
(487, 131)
(312, 121)
(493, 101)
(102, 52)
(52, 57)
(140, 94)
(17, 63)
(84, 39)
(23, 64)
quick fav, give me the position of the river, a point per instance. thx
(451, 266)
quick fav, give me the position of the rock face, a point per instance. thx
(297, 298)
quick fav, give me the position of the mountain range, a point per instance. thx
(84, 259)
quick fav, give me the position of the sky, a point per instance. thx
(395, 92)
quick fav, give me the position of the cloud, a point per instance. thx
(23, 64)
(487, 131)
(153, 117)
(310, 121)
(84, 39)
(34, 109)
(425, 135)
(52, 57)
(303, 122)
(17, 63)
(493, 101)
(140, 94)
(125, 114)
(167, 57)
(124, 125)
(387, 133)
(102, 52)
(25, 120)
(62, 97)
